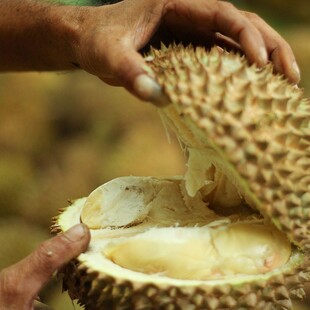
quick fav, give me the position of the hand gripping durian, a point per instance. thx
(234, 231)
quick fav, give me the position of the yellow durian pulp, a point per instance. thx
(202, 254)
(153, 226)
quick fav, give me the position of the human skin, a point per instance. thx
(104, 41)
(20, 283)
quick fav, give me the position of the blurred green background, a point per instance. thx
(64, 134)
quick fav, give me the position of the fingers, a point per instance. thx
(280, 53)
(230, 22)
(20, 283)
(147, 89)
(128, 69)
(110, 50)
(234, 29)
(54, 253)
(227, 43)
(218, 17)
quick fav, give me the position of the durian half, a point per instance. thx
(234, 232)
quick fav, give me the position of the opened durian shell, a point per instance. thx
(256, 123)
(255, 128)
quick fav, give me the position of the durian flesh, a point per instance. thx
(177, 241)
(231, 233)
(171, 234)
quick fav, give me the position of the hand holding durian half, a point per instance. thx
(234, 231)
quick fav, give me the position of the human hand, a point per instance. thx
(21, 283)
(109, 38)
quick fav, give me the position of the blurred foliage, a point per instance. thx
(289, 11)
(62, 135)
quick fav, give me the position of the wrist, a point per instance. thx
(63, 26)
(41, 36)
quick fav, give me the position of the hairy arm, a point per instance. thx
(37, 36)
(105, 40)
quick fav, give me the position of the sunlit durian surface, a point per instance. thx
(64, 134)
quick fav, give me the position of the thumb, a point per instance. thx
(37, 268)
(128, 68)
(21, 283)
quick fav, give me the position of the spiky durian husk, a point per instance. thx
(255, 120)
(98, 291)
(259, 124)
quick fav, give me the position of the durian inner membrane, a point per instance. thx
(153, 226)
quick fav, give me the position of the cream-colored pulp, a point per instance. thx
(202, 253)
(153, 226)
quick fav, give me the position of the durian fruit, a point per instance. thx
(234, 231)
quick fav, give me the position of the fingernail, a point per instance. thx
(76, 233)
(296, 71)
(149, 90)
(263, 56)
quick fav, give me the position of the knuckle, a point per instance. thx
(285, 46)
(123, 71)
(253, 16)
(226, 5)
(168, 5)
(281, 46)
(64, 244)
(241, 26)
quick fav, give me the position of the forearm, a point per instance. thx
(105, 40)
(35, 35)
